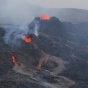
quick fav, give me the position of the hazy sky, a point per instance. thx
(82, 4)
(21, 11)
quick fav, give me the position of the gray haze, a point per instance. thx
(80, 4)
(16, 11)
(22, 12)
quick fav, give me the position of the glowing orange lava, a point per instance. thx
(13, 59)
(27, 40)
(44, 17)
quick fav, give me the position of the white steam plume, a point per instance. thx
(36, 32)
(13, 33)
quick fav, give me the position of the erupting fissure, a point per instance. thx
(27, 40)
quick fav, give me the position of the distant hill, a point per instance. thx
(69, 14)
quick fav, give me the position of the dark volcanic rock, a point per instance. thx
(56, 38)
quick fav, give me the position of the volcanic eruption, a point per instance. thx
(27, 40)
(44, 17)
(49, 60)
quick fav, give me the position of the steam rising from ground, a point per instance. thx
(13, 33)
(18, 13)
(36, 32)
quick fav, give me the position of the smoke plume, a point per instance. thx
(13, 33)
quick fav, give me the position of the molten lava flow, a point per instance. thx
(13, 59)
(27, 40)
(44, 17)
(43, 61)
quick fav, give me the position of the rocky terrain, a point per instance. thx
(63, 43)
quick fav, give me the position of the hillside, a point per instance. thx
(69, 14)
(53, 59)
